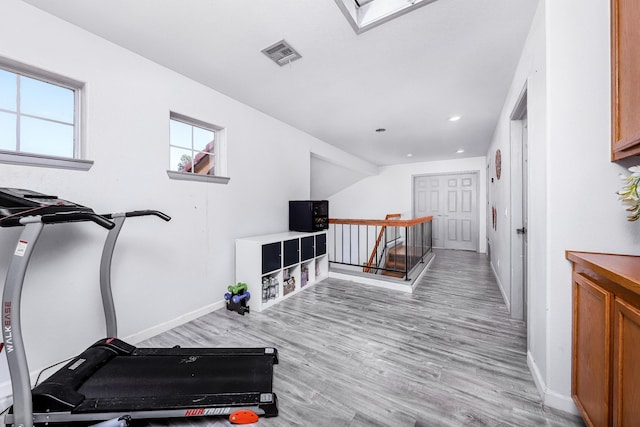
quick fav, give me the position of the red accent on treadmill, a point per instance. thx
(194, 412)
(109, 340)
(243, 416)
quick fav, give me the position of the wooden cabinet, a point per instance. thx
(606, 338)
(276, 266)
(626, 358)
(625, 78)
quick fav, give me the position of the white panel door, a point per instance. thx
(452, 201)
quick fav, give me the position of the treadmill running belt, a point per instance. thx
(158, 376)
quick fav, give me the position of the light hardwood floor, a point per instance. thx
(355, 355)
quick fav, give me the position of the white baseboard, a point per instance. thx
(504, 295)
(373, 282)
(422, 273)
(168, 325)
(549, 397)
(380, 280)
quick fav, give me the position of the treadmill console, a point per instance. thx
(17, 202)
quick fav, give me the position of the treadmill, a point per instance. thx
(113, 380)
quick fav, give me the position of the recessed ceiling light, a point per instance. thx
(454, 118)
(409, 155)
(460, 151)
(381, 130)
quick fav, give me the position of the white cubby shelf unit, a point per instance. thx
(277, 266)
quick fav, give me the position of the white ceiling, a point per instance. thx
(450, 57)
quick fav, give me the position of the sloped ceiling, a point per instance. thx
(327, 178)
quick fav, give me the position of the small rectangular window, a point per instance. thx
(195, 148)
(38, 114)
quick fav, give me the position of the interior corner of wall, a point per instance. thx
(549, 397)
(560, 401)
(538, 379)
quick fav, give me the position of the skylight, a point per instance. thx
(366, 14)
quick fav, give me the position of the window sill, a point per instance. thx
(185, 176)
(40, 160)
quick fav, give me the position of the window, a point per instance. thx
(196, 150)
(366, 14)
(39, 117)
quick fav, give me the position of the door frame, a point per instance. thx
(477, 201)
(517, 292)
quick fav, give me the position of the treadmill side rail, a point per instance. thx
(66, 417)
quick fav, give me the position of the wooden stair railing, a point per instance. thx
(383, 223)
(367, 268)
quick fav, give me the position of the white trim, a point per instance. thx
(58, 80)
(549, 397)
(537, 376)
(219, 147)
(394, 285)
(507, 301)
(186, 176)
(41, 160)
(355, 15)
(193, 122)
(373, 282)
(424, 270)
(170, 324)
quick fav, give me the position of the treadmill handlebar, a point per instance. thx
(75, 217)
(159, 214)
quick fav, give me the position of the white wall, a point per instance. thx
(162, 271)
(530, 74)
(391, 191)
(584, 213)
(572, 183)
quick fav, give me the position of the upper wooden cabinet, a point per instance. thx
(625, 79)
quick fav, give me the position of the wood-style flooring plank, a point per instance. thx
(354, 355)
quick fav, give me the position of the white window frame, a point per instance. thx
(219, 153)
(77, 162)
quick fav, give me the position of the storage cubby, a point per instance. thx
(289, 282)
(277, 266)
(269, 287)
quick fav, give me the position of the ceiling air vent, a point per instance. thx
(281, 53)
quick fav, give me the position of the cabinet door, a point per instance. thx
(271, 259)
(307, 247)
(625, 76)
(591, 351)
(291, 252)
(626, 365)
(321, 244)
